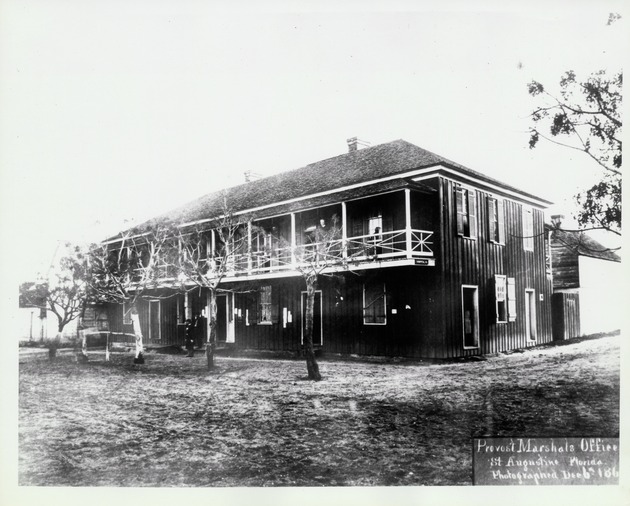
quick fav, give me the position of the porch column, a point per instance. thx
(213, 246)
(293, 240)
(187, 308)
(408, 221)
(249, 246)
(344, 231)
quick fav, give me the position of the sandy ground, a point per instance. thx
(258, 422)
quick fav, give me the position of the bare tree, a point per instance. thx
(63, 291)
(322, 253)
(122, 271)
(204, 255)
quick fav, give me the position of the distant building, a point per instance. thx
(583, 266)
(34, 321)
(447, 262)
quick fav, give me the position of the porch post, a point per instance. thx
(213, 246)
(293, 240)
(249, 246)
(408, 221)
(344, 231)
(187, 308)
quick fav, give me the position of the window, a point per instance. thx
(496, 226)
(466, 205)
(528, 229)
(126, 314)
(265, 306)
(374, 304)
(470, 316)
(500, 296)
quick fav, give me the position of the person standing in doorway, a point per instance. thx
(199, 323)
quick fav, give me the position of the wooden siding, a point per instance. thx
(412, 311)
(466, 261)
(566, 311)
(565, 264)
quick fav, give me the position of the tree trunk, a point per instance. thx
(212, 328)
(107, 345)
(309, 352)
(83, 356)
(137, 330)
(53, 345)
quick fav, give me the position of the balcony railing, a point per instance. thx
(353, 250)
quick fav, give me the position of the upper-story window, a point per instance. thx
(496, 221)
(466, 206)
(528, 229)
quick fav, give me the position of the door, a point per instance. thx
(317, 318)
(470, 316)
(154, 321)
(530, 314)
(221, 318)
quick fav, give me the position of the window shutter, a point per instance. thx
(511, 286)
(253, 308)
(275, 307)
(388, 223)
(500, 221)
(459, 206)
(492, 223)
(472, 213)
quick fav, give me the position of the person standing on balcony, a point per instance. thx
(375, 243)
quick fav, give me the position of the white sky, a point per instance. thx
(119, 110)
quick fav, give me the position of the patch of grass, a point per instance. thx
(255, 422)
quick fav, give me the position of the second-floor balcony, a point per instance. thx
(351, 252)
(378, 231)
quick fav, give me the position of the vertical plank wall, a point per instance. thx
(466, 261)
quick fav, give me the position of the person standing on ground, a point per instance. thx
(190, 338)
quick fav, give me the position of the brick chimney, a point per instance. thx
(556, 220)
(251, 176)
(355, 144)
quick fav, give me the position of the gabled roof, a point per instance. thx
(316, 180)
(583, 245)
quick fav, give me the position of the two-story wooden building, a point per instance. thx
(440, 261)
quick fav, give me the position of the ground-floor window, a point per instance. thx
(265, 317)
(374, 304)
(470, 316)
(500, 296)
(126, 309)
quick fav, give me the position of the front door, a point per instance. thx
(154, 321)
(221, 318)
(317, 318)
(530, 314)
